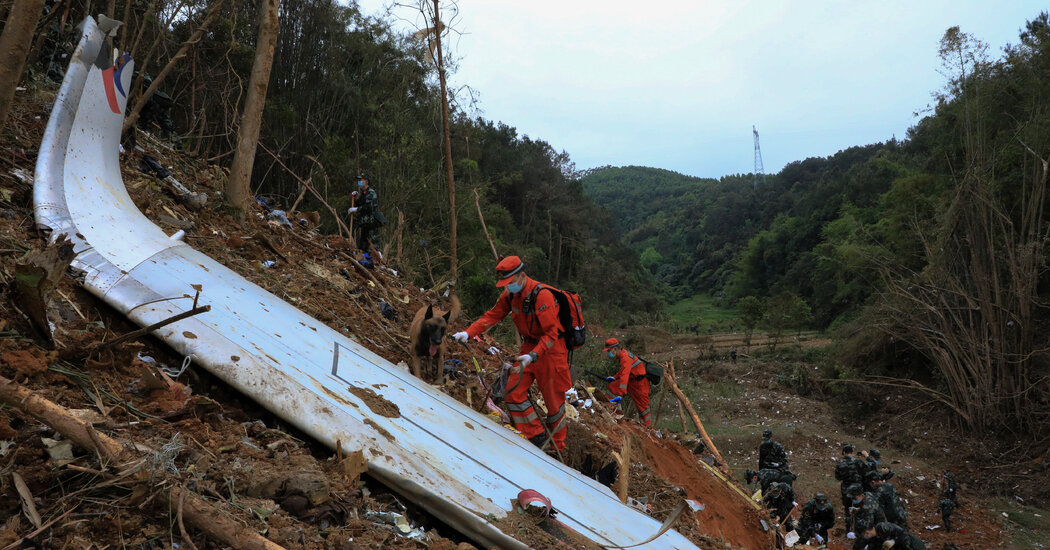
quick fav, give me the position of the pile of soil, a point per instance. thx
(196, 433)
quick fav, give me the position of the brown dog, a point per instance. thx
(427, 333)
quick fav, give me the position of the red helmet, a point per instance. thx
(507, 268)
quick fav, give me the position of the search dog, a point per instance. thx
(427, 334)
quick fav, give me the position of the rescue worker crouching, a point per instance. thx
(543, 355)
(630, 379)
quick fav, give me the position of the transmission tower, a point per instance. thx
(759, 170)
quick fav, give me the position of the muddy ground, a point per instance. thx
(196, 433)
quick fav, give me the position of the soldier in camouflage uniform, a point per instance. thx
(817, 517)
(949, 499)
(368, 217)
(848, 470)
(885, 535)
(891, 504)
(768, 476)
(780, 499)
(771, 453)
(864, 509)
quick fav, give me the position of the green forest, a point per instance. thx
(937, 240)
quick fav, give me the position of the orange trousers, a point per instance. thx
(551, 373)
(639, 392)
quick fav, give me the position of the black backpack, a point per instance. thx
(654, 372)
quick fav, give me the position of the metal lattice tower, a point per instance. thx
(759, 170)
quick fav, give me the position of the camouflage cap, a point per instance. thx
(873, 476)
(766, 434)
(820, 497)
(854, 489)
(748, 474)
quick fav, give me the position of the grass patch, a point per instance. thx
(1028, 526)
(701, 309)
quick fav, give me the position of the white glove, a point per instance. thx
(461, 337)
(353, 193)
(524, 360)
(889, 544)
(351, 210)
(820, 539)
(795, 504)
(851, 535)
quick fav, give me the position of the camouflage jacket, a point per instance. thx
(771, 454)
(868, 512)
(886, 531)
(768, 476)
(781, 503)
(816, 519)
(367, 204)
(850, 470)
(891, 504)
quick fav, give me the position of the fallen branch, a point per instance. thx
(699, 425)
(153, 327)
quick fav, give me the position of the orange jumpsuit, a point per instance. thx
(631, 379)
(540, 332)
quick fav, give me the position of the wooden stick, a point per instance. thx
(302, 193)
(153, 327)
(477, 203)
(696, 421)
(623, 458)
(681, 411)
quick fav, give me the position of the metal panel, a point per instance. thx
(448, 458)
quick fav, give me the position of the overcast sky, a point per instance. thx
(678, 84)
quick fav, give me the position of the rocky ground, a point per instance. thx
(191, 433)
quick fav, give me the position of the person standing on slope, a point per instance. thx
(543, 356)
(630, 379)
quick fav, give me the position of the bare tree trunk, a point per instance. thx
(14, 46)
(251, 119)
(452, 263)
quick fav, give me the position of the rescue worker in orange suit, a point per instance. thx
(630, 379)
(543, 356)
